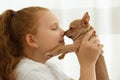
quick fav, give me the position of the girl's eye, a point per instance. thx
(54, 27)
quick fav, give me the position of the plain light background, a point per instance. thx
(104, 17)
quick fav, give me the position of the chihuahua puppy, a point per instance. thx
(77, 30)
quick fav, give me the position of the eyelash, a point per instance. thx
(55, 28)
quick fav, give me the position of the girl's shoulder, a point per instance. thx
(27, 68)
(29, 64)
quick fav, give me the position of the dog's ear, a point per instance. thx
(85, 19)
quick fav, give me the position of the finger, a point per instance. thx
(93, 39)
(102, 52)
(100, 47)
(88, 34)
(96, 43)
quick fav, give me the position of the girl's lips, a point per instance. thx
(62, 41)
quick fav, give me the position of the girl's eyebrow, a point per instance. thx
(55, 23)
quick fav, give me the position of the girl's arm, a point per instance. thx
(87, 72)
(88, 54)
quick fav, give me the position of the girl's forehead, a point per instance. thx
(47, 17)
(46, 20)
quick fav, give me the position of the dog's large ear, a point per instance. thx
(85, 19)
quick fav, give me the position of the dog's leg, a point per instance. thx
(68, 48)
(101, 70)
(71, 48)
(62, 49)
(62, 56)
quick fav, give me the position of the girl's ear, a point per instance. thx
(30, 39)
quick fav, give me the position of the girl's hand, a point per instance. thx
(89, 50)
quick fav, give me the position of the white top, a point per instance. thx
(28, 69)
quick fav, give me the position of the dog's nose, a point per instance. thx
(65, 32)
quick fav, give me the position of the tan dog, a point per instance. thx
(76, 32)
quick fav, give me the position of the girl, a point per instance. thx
(25, 38)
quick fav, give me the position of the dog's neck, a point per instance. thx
(81, 33)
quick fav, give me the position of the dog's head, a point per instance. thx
(78, 27)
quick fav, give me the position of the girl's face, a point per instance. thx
(49, 34)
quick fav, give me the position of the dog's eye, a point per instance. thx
(71, 28)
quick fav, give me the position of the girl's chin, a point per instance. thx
(53, 47)
(59, 44)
